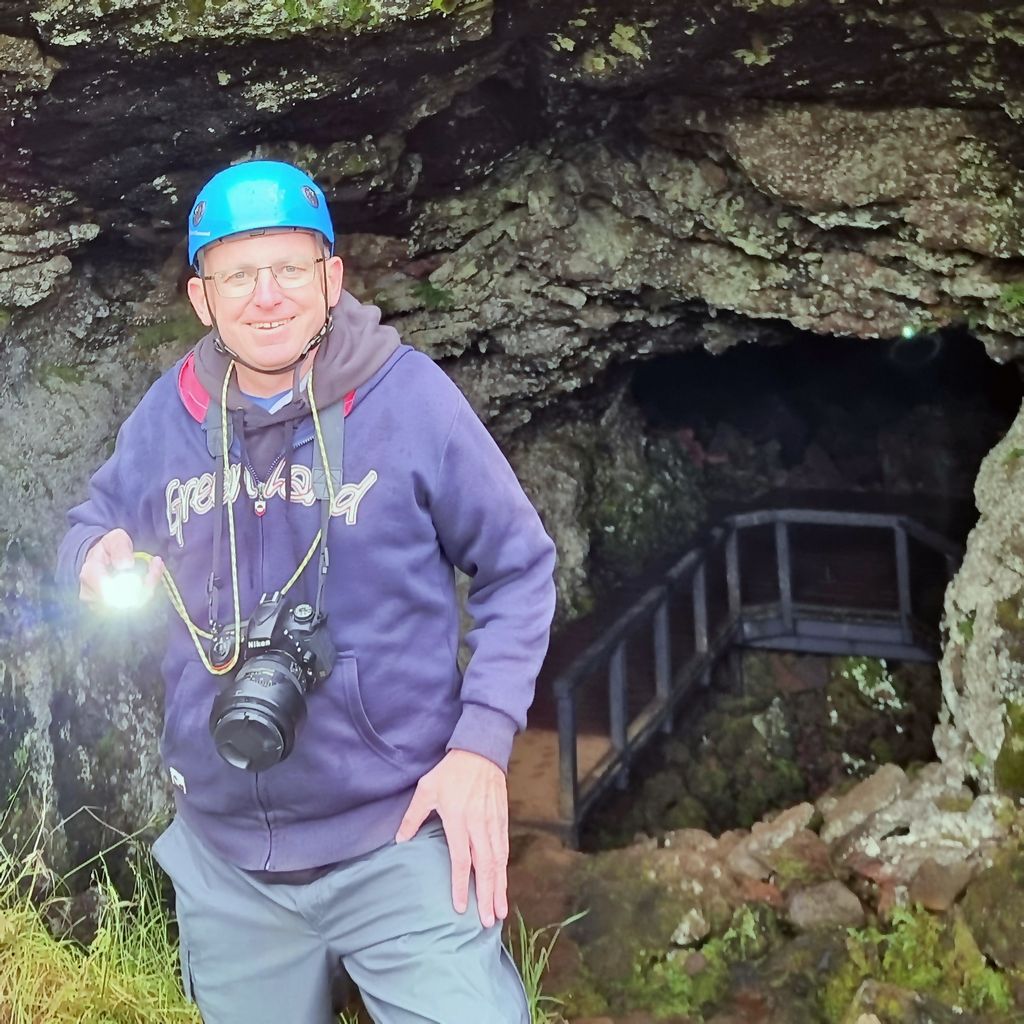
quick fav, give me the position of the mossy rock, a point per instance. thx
(993, 908)
(890, 1004)
(629, 910)
(1009, 766)
(925, 964)
(665, 804)
(1009, 618)
(235, 23)
(793, 972)
(678, 986)
(179, 327)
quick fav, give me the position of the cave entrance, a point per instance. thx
(837, 424)
(911, 416)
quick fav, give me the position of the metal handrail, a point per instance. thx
(672, 682)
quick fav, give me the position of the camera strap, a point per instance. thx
(327, 479)
(332, 423)
(215, 446)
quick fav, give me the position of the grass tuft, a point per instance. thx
(127, 973)
(531, 949)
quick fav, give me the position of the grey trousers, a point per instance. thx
(253, 953)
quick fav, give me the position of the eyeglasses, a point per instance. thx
(238, 281)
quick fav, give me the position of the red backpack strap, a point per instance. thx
(194, 396)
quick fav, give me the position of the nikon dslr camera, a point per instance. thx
(286, 652)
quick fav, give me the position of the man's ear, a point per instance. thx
(335, 279)
(197, 296)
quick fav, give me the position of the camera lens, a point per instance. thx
(254, 720)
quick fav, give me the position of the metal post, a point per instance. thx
(663, 660)
(732, 573)
(662, 653)
(785, 574)
(617, 712)
(734, 662)
(568, 780)
(700, 610)
(700, 621)
(903, 581)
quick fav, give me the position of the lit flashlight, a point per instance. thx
(123, 589)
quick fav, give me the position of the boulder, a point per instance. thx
(825, 905)
(993, 908)
(890, 1004)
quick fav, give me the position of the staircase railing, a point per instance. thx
(725, 620)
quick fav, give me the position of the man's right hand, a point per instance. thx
(114, 551)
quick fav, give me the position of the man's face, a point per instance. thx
(270, 327)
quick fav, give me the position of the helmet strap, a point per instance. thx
(314, 342)
(219, 346)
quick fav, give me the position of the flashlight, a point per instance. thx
(123, 589)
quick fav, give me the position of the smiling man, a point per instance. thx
(309, 484)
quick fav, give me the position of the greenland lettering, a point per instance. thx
(195, 497)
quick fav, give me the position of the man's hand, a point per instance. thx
(470, 796)
(114, 551)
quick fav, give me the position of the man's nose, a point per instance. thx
(267, 291)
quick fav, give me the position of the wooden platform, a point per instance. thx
(533, 774)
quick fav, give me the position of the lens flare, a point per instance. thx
(124, 590)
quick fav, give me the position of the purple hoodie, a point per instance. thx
(425, 489)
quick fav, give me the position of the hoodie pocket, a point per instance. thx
(349, 674)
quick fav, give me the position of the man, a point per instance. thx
(302, 454)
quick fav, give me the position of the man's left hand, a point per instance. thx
(470, 795)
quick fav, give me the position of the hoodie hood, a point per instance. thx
(355, 348)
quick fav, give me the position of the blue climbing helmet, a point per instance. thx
(255, 195)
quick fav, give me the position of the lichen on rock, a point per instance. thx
(983, 665)
(24, 71)
(37, 231)
(144, 24)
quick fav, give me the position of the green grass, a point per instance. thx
(127, 974)
(531, 949)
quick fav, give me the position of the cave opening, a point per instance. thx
(905, 416)
(900, 424)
